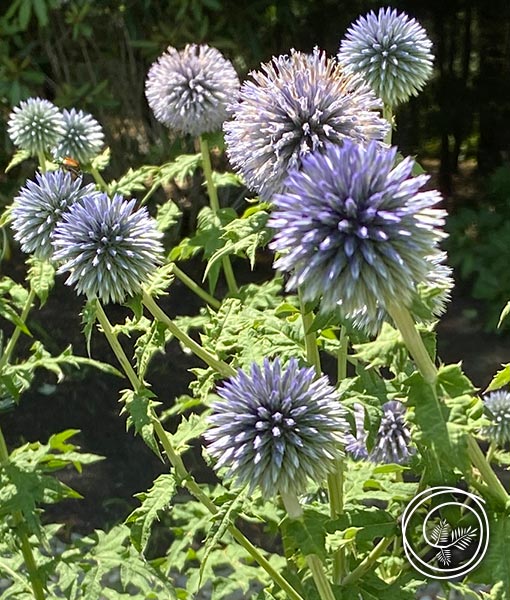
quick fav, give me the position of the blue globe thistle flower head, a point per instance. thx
(35, 125)
(189, 90)
(107, 247)
(39, 207)
(356, 231)
(497, 406)
(276, 427)
(356, 444)
(295, 105)
(391, 52)
(392, 443)
(83, 137)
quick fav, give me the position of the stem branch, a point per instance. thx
(194, 287)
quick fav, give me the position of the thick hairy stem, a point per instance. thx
(9, 349)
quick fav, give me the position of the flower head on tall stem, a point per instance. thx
(277, 427)
(38, 209)
(391, 52)
(356, 231)
(392, 443)
(107, 247)
(35, 125)
(295, 105)
(83, 137)
(497, 405)
(189, 90)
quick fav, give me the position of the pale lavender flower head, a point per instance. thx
(391, 52)
(356, 444)
(35, 125)
(108, 248)
(276, 427)
(189, 90)
(356, 231)
(392, 443)
(39, 207)
(83, 137)
(293, 106)
(497, 406)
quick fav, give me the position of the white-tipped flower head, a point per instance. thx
(392, 444)
(277, 427)
(356, 231)
(391, 52)
(39, 207)
(497, 406)
(83, 137)
(35, 125)
(108, 248)
(189, 90)
(296, 105)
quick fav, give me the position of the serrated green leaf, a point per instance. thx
(41, 275)
(160, 281)
(499, 380)
(183, 166)
(504, 314)
(495, 567)
(227, 178)
(148, 344)
(88, 317)
(189, 429)
(101, 161)
(19, 157)
(140, 407)
(168, 215)
(132, 181)
(307, 534)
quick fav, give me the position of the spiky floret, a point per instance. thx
(39, 207)
(392, 443)
(189, 90)
(391, 52)
(356, 231)
(497, 405)
(276, 427)
(356, 443)
(83, 137)
(107, 247)
(292, 106)
(35, 125)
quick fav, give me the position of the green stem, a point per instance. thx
(215, 206)
(495, 487)
(336, 504)
(42, 161)
(367, 563)
(98, 178)
(177, 463)
(388, 115)
(194, 287)
(9, 349)
(151, 191)
(311, 348)
(314, 563)
(26, 548)
(412, 339)
(491, 451)
(211, 360)
(342, 355)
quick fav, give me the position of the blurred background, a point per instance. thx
(94, 56)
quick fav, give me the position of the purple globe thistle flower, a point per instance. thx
(356, 444)
(189, 91)
(108, 248)
(276, 427)
(35, 125)
(392, 444)
(391, 52)
(39, 207)
(355, 231)
(295, 105)
(498, 407)
(83, 137)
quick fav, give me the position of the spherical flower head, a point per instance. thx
(83, 137)
(355, 230)
(108, 248)
(35, 125)
(392, 444)
(296, 105)
(391, 52)
(189, 91)
(39, 207)
(497, 406)
(276, 427)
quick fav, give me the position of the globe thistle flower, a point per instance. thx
(392, 444)
(108, 248)
(295, 105)
(35, 125)
(391, 52)
(39, 207)
(355, 231)
(189, 91)
(276, 427)
(356, 445)
(83, 137)
(498, 408)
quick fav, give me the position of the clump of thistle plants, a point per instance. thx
(324, 459)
